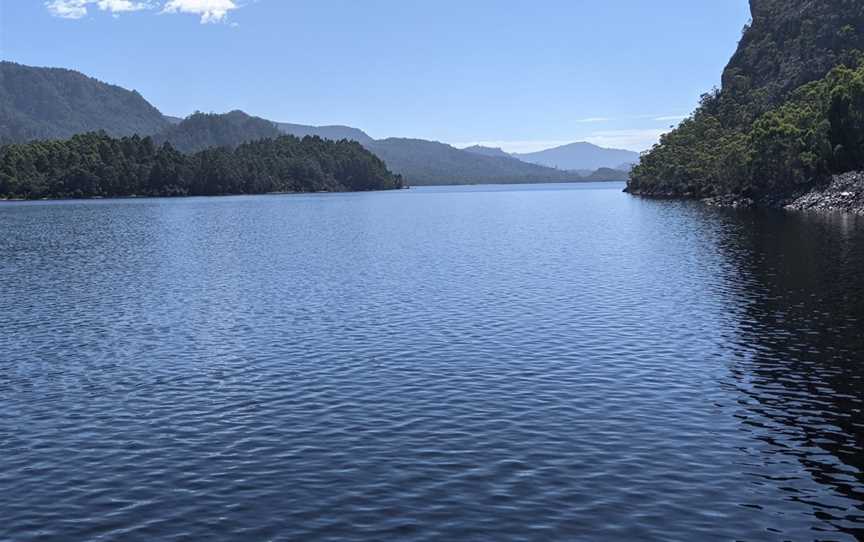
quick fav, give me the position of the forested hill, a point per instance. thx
(97, 165)
(325, 132)
(790, 113)
(201, 131)
(52, 103)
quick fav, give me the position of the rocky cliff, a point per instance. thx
(789, 115)
(789, 43)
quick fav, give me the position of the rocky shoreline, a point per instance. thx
(845, 193)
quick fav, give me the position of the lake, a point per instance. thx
(446, 363)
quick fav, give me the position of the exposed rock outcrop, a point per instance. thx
(844, 193)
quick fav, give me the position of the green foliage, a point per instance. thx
(817, 132)
(97, 165)
(790, 146)
(698, 158)
(846, 120)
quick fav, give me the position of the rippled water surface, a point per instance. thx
(499, 363)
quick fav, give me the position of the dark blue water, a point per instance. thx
(500, 363)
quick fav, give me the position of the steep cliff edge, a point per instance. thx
(789, 115)
(790, 43)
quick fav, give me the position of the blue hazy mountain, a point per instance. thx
(580, 156)
(424, 162)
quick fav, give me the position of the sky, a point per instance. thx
(518, 74)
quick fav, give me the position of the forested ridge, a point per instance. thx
(790, 113)
(201, 131)
(39, 106)
(55, 103)
(420, 161)
(98, 165)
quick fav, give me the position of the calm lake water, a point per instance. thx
(473, 363)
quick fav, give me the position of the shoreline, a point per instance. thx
(185, 196)
(843, 194)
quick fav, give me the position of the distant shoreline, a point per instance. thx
(187, 196)
(296, 193)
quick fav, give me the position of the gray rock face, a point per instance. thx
(730, 201)
(844, 193)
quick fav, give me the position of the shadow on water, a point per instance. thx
(799, 367)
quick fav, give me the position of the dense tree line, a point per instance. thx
(789, 114)
(97, 165)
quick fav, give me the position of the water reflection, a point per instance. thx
(799, 360)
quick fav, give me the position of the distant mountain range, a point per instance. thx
(421, 162)
(581, 156)
(431, 163)
(50, 103)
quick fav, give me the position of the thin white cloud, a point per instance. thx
(67, 9)
(121, 6)
(594, 119)
(76, 9)
(211, 11)
(655, 117)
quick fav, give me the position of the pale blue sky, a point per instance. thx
(517, 73)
